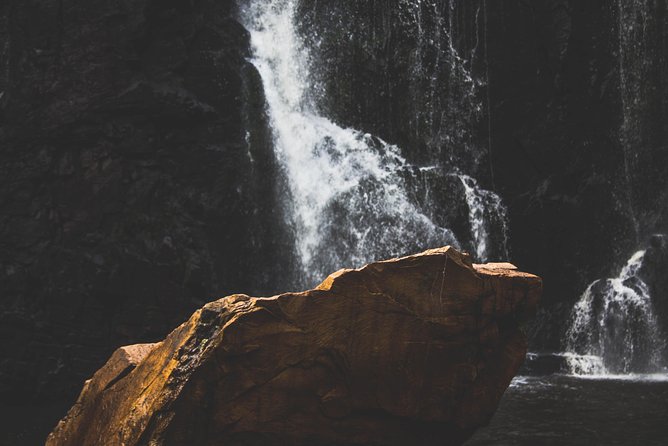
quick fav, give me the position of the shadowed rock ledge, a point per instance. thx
(409, 351)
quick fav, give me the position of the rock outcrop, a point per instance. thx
(416, 350)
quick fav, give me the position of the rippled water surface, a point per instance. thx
(565, 410)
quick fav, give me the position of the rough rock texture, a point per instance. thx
(653, 273)
(401, 70)
(417, 350)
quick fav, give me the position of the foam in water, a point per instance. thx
(349, 202)
(585, 365)
(613, 327)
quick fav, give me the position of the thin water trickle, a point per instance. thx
(484, 208)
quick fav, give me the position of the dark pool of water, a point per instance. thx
(555, 410)
(564, 410)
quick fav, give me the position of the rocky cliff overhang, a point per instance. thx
(409, 351)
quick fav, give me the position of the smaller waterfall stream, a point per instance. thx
(485, 207)
(613, 327)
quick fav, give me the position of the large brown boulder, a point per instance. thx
(409, 351)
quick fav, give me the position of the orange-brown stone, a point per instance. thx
(416, 350)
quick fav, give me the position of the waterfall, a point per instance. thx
(613, 329)
(350, 202)
(485, 207)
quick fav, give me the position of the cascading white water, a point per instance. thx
(484, 207)
(613, 328)
(345, 185)
(349, 201)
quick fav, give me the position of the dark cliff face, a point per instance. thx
(555, 118)
(576, 137)
(653, 272)
(404, 71)
(136, 167)
(643, 59)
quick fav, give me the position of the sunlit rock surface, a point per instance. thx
(416, 350)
